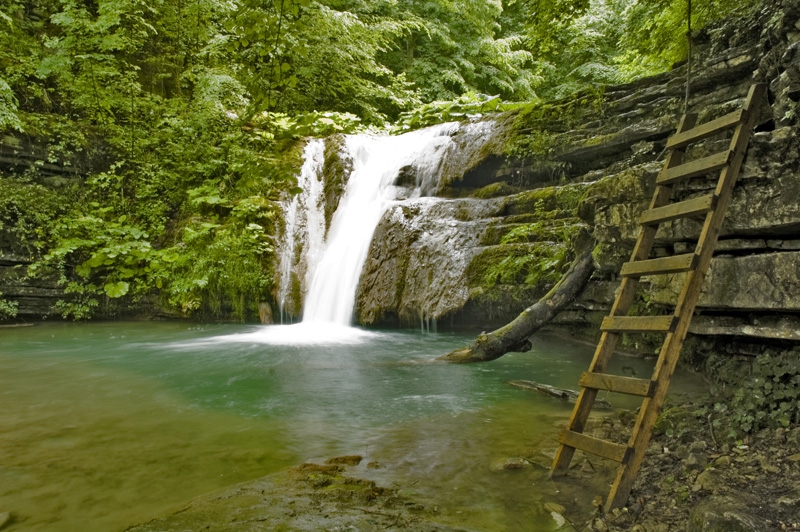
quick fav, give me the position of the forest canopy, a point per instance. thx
(173, 125)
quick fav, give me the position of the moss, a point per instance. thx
(495, 190)
(623, 187)
(548, 202)
(336, 170)
(525, 264)
(610, 257)
(535, 124)
(561, 230)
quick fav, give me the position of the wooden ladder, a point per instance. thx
(675, 326)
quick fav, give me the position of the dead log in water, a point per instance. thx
(553, 391)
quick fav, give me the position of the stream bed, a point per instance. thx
(105, 425)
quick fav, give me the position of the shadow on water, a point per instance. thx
(105, 425)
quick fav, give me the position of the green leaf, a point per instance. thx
(117, 289)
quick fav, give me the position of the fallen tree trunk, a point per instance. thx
(514, 336)
(559, 393)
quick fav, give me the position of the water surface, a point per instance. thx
(105, 425)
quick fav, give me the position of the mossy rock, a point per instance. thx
(633, 185)
(548, 202)
(336, 172)
(495, 190)
(517, 264)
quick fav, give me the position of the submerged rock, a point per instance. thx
(307, 498)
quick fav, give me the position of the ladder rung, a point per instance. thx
(682, 209)
(606, 449)
(709, 129)
(618, 384)
(694, 168)
(675, 264)
(639, 323)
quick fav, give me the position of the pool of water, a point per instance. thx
(105, 425)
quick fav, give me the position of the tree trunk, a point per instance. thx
(514, 336)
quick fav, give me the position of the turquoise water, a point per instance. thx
(105, 425)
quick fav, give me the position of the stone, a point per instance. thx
(350, 460)
(599, 525)
(5, 518)
(510, 464)
(794, 437)
(696, 461)
(710, 480)
(791, 500)
(753, 282)
(724, 514)
(723, 461)
(555, 507)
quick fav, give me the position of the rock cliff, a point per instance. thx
(478, 259)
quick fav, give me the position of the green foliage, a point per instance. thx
(534, 253)
(653, 33)
(467, 106)
(311, 124)
(8, 108)
(535, 122)
(8, 309)
(216, 265)
(93, 248)
(184, 120)
(83, 302)
(26, 210)
(530, 265)
(765, 395)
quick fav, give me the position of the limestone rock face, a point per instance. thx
(752, 282)
(416, 268)
(35, 298)
(423, 266)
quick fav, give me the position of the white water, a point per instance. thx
(330, 278)
(376, 164)
(304, 219)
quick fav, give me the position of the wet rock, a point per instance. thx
(791, 500)
(723, 461)
(350, 460)
(510, 464)
(710, 480)
(724, 514)
(698, 446)
(696, 461)
(599, 525)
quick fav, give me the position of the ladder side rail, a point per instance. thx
(622, 303)
(687, 301)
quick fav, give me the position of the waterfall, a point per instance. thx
(328, 266)
(304, 221)
(377, 162)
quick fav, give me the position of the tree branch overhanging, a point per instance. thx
(514, 336)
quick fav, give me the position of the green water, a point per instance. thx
(106, 425)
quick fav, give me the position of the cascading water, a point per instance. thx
(327, 267)
(304, 221)
(377, 161)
